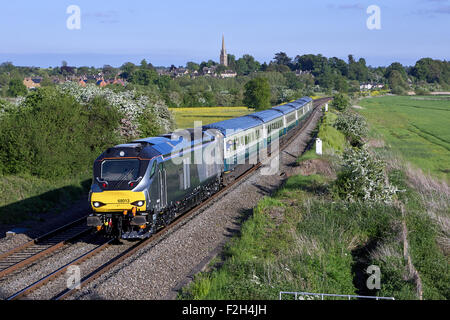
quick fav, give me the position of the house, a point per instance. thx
(209, 70)
(68, 70)
(369, 86)
(82, 82)
(179, 72)
(32, 83)
(101, 82)
(228, 74)
(300, 72)
(116, 81)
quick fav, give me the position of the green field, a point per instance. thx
(418, 128)
(185, 117)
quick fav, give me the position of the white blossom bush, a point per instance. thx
(10, 106)
(362, 178)
(131, 105)
(353, 125)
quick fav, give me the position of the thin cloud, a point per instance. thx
(432, 12)
(108, 17)
(355, 6)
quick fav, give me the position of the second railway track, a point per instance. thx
(42, 246)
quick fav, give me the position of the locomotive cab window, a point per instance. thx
(116, 170)
(152, 172)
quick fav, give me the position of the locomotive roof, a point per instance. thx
(175, 141)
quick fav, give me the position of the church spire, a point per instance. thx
(223, 53)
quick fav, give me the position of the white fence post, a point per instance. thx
(318, 146)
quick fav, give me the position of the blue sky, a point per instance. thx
(174, 32)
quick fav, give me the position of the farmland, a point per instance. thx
(417, 128)
(185, 117)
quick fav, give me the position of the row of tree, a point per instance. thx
(288, 78)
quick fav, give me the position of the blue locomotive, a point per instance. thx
(142, 186)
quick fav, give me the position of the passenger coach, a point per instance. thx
(143, 185)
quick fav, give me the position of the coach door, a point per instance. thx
(162, 186)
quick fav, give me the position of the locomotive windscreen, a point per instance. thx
(117, 170)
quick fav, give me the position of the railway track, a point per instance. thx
(38, 248)
(132, 249)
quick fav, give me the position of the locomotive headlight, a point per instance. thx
(139, 203)
(98, 204)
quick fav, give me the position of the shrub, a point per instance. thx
(52, 135)
(340, 102)
(16, 88)
(132, 105)
(257, 93)
(362, 178)
(420, 91)
(354, 127)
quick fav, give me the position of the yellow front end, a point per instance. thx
(117, 201)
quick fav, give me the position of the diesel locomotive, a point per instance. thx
(142, 186)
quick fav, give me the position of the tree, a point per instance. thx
(317, 64)
(340, 84)
(339, 64)
(396, 82)
(430, 70)
(127, 69)
(257, 93)
(357, 70)
(292, 81)
(7, 67)
(246, 65)
(107, 70)
(340, 102)
(143, 76)
(220, 69)
(282, 58)
(231, 59)
(163, 82)
(16, 88)
(192, 66)
(398, 67)
(277, 68)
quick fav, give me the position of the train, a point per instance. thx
(142, 186)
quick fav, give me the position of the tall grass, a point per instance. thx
(307, 245)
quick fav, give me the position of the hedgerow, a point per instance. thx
(52, 135)
(137, 110)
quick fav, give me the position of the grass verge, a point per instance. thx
(23, 197)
